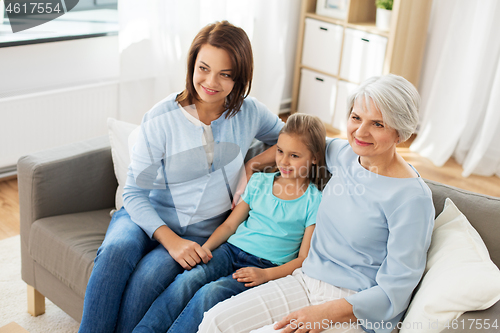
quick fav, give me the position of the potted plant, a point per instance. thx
(384, 11)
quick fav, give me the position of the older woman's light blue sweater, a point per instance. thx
(372, 235)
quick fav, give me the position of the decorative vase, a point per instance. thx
(383, 20)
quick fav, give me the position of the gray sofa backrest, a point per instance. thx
(482, 211)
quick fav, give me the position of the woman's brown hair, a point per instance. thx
(235, 42)
(313, 134)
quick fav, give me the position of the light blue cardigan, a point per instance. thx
(372, 235)
(169, 181)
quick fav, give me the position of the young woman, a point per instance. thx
(268, 233)
(184, 169)
(373, 229)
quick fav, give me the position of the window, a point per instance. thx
(96, 4)
(89, 18)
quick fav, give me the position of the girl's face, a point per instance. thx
(212, 78)
(366, 132)
(293, 158)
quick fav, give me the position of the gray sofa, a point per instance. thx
(66, 195)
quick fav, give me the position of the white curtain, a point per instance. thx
(460, 87)
(155, 36)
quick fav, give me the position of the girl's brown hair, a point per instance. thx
(313, 134)
(235, 42)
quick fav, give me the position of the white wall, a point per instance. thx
(51, 68)
(39, 67)
(291, 48)
(56, 93)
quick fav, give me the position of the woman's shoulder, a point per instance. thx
(416, 201)
(408, 191)
(250, 101)
(253, 104)
(409, 179)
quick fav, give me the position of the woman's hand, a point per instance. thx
(188, 253)
(317, 318)
(251, 276)
(309, 319)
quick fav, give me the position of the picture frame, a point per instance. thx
(332, 8)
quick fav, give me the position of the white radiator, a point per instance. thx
(33, 121)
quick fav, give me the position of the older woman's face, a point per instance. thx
(367, 133)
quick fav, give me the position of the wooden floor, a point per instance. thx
(449, 174)
(9, 209)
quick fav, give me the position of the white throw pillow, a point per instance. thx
(459, 275)
(122, 135)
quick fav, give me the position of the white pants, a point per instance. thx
(270, 302)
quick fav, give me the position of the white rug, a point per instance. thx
(13, 298)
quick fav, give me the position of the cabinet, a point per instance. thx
(335, 55)
(318, 94)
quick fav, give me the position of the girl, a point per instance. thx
(184, 168)
(268, 233)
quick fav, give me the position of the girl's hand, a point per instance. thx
(207, 250)
(252, 276)
(188, 253)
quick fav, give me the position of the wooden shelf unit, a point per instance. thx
(405, 39)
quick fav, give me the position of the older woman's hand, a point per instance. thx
(317, 318)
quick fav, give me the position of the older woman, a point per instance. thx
(373, 229)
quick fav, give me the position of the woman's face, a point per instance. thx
(367, 133)
(212, 77)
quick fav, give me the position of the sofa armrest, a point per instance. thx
(476, 321)
(74, 178)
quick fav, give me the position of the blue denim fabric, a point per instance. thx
(129, 273)
(181, 306)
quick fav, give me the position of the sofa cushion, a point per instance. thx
(482, 211)
(66, 245)
(459, 275)
(122, 136)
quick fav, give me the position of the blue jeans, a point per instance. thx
(181, 306)
(130, 271)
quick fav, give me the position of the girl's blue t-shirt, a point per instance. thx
(275, 227)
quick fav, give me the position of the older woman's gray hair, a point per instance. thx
(395, 97)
